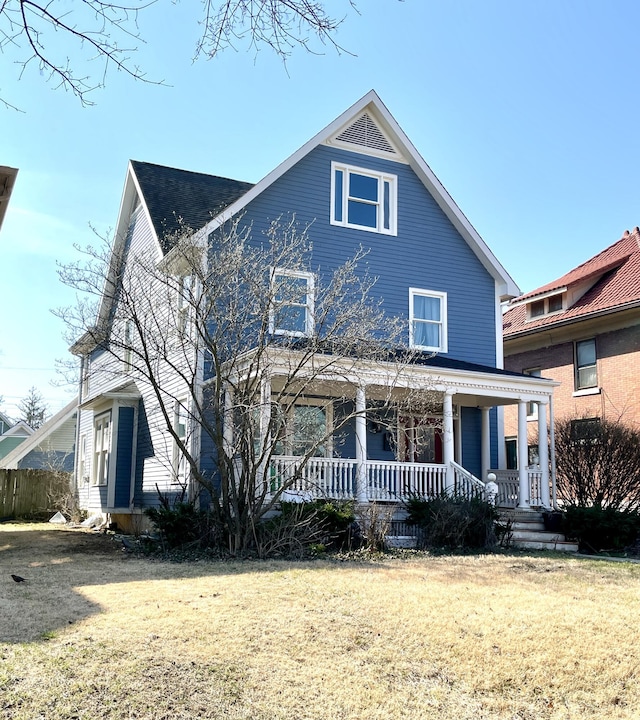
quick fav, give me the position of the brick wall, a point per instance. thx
(618, 367)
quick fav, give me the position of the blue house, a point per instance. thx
(359, 183)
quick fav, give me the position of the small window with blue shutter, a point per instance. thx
(363, 199)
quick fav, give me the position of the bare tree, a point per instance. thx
(33, 409)
(239, 403)
(598, 463)
(108, 34)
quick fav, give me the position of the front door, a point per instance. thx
(420, 439)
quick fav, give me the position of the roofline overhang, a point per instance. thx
(507, 287)
(571, 321)
(409, 376)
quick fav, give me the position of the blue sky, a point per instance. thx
(526, 111)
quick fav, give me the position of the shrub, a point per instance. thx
(182, 525)
(302, 528)
(453, 522)
(600, 529)
(597, 464)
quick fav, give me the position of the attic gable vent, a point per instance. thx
(366, 133)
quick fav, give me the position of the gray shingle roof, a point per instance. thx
(177, 196)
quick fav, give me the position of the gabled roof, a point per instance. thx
(20, 429)
(615, 274)
(400, 143)
(11, 460)
(180, 198)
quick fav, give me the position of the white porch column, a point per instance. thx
(486, 444)
(265, 422)
(361, 444)
(543, 452)
(523, 459)
(447, 438)
(265, 409)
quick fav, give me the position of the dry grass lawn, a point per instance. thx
(95, 633)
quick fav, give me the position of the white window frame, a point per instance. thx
(101, 449)
(442, 297)
(342, 218)
(83, 468)
(180, 471)
(309, 305)
(184, 293)
(288, 427)
(127, 354)
(532, 407)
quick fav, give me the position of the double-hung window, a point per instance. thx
(428, 320)
(585, 364)
(184, 299)
(180, 423)
(101, 448)
(363, 199)
(292, 305)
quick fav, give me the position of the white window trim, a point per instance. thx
(127, 355)
(381, 177)
(327, 405)
(180, 474)
(96, 464)
(310, 304)
(83, 465)
(532, 407)
(442, 296)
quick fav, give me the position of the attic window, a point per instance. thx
(366, 133)
(545, 306)
(555, 303)
(537, 308)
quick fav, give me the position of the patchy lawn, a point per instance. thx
(96, 633)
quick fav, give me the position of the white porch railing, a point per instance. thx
(509, 487)
(319, 477)
(384, 480)
(397, 480)
(466, 484)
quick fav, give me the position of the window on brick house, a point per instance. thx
(586, 373)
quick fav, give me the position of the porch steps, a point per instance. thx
(527, 532)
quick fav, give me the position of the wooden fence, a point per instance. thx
(27, 492)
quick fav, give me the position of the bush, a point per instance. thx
(599, 529)
(597, 464)
(182, 525)
(453, 522)
(302, 528)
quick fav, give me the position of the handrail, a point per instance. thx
(468, 475)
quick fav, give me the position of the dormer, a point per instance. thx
(550, 303)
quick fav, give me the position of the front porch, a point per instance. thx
(328, 430)
(384, 481)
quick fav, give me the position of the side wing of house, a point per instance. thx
(50, 447)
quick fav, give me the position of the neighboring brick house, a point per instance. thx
(582, 330)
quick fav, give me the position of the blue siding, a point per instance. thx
(124, 457)
(427, 253)
(471, 440)
(144, 450)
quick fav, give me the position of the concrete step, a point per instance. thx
(528, 526)
(559, 546)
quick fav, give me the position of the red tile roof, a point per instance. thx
(616, 277)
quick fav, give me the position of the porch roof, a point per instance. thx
(471, 384)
